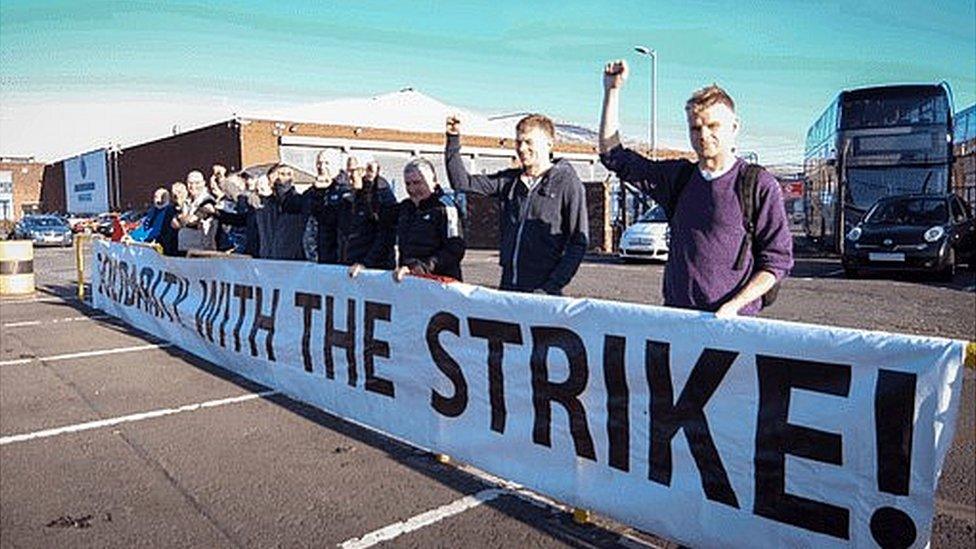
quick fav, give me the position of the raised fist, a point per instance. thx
(614, 74)
(454, 124)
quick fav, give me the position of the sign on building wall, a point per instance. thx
(86, 182)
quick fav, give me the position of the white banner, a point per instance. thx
(86, 183)
(743, 432)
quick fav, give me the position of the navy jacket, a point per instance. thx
(544, 232)
(281, 224)
(365, 227)
(323, 205)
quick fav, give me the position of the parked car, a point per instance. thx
(131, 219)
(647, 238)
(80, 223)
(105, 222)
(44, 230)
(915, 232)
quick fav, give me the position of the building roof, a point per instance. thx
(404, 110)
(413, 111)
(409, 110)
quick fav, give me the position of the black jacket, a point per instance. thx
(281, 224)
(365, 227)
(544, 232)
(429, 236)
(323, 205)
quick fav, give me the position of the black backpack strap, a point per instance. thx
(747, 191)
(684, 176)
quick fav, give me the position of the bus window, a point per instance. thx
(894, 111)
(867, 185)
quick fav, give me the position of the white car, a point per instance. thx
(647, 238)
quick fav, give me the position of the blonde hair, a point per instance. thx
(537, 121)
(708, 96)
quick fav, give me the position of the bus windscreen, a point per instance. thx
(894, 111)
(867, 185)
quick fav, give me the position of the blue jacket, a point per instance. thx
(156, 228)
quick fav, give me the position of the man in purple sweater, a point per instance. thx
(707, 225)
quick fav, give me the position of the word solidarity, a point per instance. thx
(710, 432)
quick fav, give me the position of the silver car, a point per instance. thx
(44, 230)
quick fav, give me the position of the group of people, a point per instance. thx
(355, 219)
(730, 244)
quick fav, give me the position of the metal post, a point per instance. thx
(80, 264)
(653, 105)
(652, 54)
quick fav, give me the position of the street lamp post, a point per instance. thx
(652, 54)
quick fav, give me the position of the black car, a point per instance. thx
(44, 230)
(913, 232)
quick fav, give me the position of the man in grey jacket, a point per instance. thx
(544, 224)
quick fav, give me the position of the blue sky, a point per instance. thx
(783, 61)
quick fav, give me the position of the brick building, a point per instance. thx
(20, 187)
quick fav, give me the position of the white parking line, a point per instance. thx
(422, 520)
(86, 354)
(54, 321)
(130, 418)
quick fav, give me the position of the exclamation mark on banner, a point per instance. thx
(894, 412)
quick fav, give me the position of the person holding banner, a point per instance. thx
(721, 259)
(365, 222)
(544, 223)
(279, 218)
(197, 227)
(429, 236)
(321, 203)
(231, 214)
(156, 225)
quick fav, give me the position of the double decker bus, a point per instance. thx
(870, 143)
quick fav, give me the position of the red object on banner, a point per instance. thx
(439, 278)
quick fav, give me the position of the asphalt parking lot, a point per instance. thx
(112, 438)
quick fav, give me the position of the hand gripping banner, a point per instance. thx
(741, 432)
